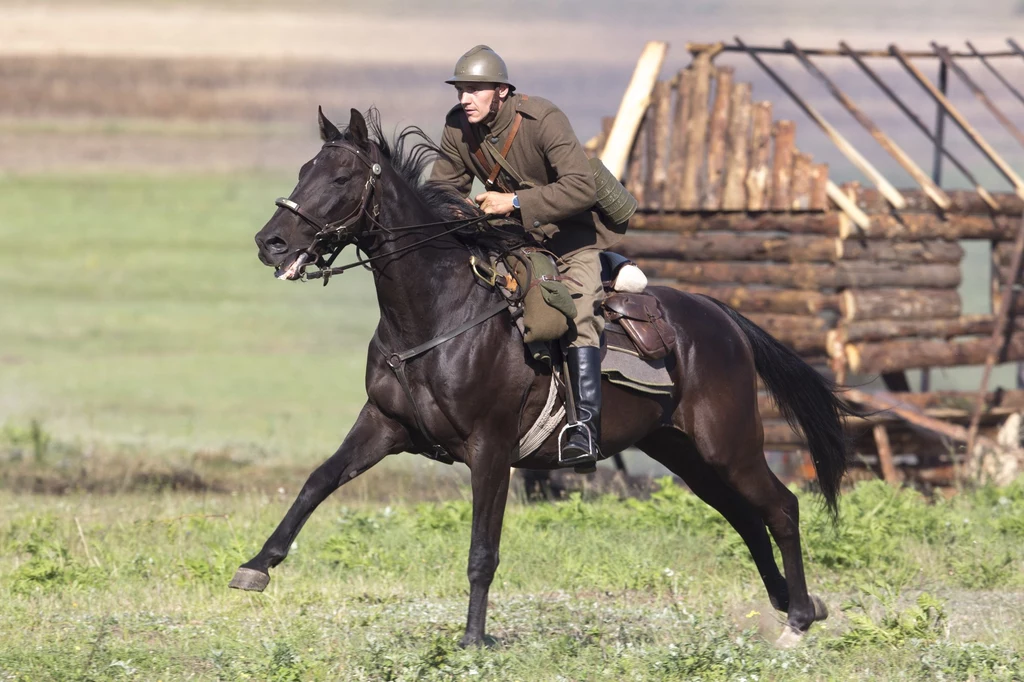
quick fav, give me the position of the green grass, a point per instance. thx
(133, 587)
(135, 311)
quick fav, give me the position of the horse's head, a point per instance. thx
(332, 204)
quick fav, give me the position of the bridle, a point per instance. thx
(338, 231)
(338, 234)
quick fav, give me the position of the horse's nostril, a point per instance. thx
(276, 245)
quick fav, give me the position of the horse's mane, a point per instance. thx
(410, 151)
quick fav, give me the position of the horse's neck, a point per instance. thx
(427, 290)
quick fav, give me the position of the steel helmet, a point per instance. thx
(480, 65)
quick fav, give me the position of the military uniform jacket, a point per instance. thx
(558, 207)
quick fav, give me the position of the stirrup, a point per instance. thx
(590, 457)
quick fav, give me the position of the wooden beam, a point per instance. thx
(885, 455)
(677, 156)
(660, 138)
(716, 138)
(759, 167)
(961, 121)
(901, 328)
(844, 146)
(998, 340)
(978, 93)
(784, 134)
(632, 107)
(734, 195)
(847, 206)
(707, 245)
(859, 274)
(800, 191)
(908, 413)
(963, 203)
(874, 304)
(902, 354)
(696, 133)
(901, 157)
(762, 300)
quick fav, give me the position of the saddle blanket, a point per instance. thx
(621, 365)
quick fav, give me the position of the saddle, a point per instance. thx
(635, 320)
(637, 314)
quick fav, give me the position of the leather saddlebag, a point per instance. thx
(640, 317)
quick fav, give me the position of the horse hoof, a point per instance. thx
(789, 638)
(249, 579)
(487, 642)
(820, 610)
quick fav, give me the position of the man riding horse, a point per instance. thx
(531, 164)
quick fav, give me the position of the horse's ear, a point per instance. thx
(357, 132)
(328, 131)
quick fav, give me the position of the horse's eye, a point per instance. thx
(342, 179)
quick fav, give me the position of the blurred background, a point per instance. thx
(142, 145)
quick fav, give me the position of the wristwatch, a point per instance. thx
(515, 201)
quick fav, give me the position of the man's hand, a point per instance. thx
(495, 203)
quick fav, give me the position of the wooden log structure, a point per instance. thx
(902, 354)
(819, 187)
(954, 406)
(784, 134)
(880, 330)
(714, 246)
(659, 136)
(903, 439)
(918, 304)
(716, 139)
(800, 191)
(758, 181)
(763, 300)
(914, 226)
(810, 223)
(730, 208)
(924, 251)
(696, 134)
(860, 274)
(677, 154)
(907, 227)
(635, 168)
(962, 202)
(734, 194)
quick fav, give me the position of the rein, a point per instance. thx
(328, 233)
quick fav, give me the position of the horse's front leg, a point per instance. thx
(490, 492)
(372, 438)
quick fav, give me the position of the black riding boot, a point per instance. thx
(583, 448)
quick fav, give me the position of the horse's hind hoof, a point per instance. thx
(249, 579)
(820, 610)
(789, 638)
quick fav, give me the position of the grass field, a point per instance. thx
(135, 312)
(134, 587)
(139, 326)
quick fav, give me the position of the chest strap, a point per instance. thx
(469, 134)
(396, 361)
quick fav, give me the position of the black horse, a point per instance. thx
(479, 391)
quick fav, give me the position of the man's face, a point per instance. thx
(478, 100)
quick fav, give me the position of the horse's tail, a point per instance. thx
(806, 398)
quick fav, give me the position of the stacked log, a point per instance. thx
(903, 438)
(906, 227)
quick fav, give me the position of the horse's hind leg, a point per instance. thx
(736, 453)
(678, 454)
(372, 438)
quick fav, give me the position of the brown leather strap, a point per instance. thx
(504, 150)
(473, 142)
